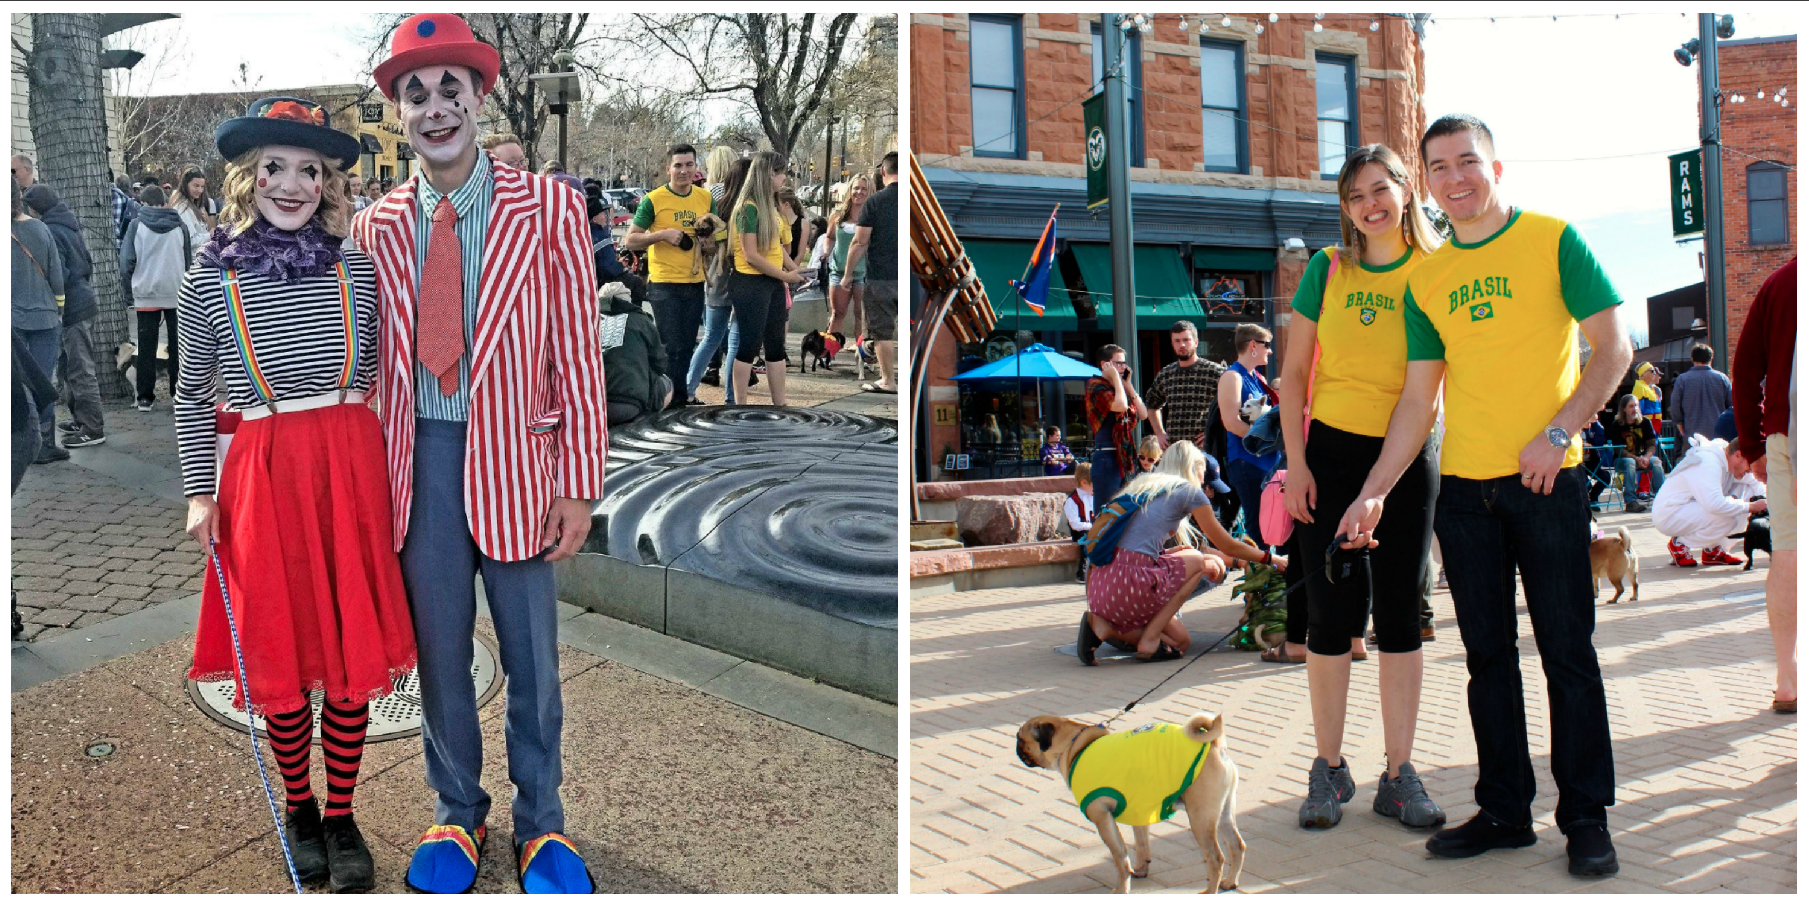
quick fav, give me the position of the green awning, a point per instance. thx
(1163, 293)
(997, 263)
(1233, 260)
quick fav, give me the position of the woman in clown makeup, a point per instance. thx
(299, 510)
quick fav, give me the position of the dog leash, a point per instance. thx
(1133, 704)
(245, 686)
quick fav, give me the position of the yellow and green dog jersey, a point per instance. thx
(663, 209)
(1144, 770)
(1362, 339)
(1502, 314)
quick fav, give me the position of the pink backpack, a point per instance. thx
(1273, 518)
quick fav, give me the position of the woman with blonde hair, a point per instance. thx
(758, 235)
(1135, 598)
(1352, 307)
(716, 167)
(299, 512)
(850, 197)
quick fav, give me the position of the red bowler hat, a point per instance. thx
(428, 38)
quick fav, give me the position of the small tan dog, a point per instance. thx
(1612, 557)
(1138, 777)
(712, 237)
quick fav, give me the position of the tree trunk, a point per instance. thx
(69, 124)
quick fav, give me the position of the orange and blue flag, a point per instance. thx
(1034, 287)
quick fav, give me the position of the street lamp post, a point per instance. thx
(563, 86)
(1714, 273)
(828, 149)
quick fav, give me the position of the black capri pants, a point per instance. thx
(760, 314)
(1340, 462)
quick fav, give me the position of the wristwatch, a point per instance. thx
(1557, 435)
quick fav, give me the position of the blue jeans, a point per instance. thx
(1106, 482)
(1246, 481)
(439, 564)
(1487, 528)
(718, 323)
(46, 346)
(1629, 469)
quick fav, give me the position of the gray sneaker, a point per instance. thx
(1406, 799)
(1326, 789)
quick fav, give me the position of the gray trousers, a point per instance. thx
(440, 563)
(81, 378)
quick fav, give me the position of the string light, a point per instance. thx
(1259, 28)
(1225, 22)
(1375, 26)
(1274, 18)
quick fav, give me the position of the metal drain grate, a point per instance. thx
(395, 716)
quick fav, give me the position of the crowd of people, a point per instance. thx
(414, 385)
(1391, 439)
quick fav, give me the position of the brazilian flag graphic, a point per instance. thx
(1368, 316)
(1482, 311)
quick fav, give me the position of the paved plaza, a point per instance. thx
(1706, 772)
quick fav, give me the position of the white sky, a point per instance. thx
(1590, 87)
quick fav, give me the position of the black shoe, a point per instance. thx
(1591, 853)
(307, 846)
(1088, 641)
(53, 454)
(712, 377)
(1482, 833)
(82, 438)
(347, 856)
(68, 427)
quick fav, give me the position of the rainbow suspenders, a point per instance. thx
(241, 331)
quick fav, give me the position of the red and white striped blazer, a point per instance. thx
(538, 427)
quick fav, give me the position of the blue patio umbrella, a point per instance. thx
(1038, 362)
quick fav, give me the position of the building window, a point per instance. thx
(1337, 90)
(996, 64)
(1222, 115)
(1767, 205)
(1133, 92)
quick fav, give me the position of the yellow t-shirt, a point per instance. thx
(663, 209)
(749, 221)
(1362, 339)
(1502, 314)
(1144, 770)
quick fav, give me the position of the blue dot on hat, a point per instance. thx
(425, 28)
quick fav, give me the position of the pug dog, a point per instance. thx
(1116, 782)
(820, 348)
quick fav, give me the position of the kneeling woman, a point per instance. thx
(1134, 599)
(287, 319)
(1355, 383)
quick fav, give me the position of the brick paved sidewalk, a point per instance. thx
(1706, 773)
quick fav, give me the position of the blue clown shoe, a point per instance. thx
(445, 861)
(550, 865)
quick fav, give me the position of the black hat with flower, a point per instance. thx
(287, 122)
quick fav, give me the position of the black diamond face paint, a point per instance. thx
(271, 168)
(414, 83)
(447, 78)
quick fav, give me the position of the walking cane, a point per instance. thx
(245, 688)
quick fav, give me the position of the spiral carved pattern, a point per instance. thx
(795, 504)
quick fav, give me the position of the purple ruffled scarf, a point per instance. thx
(274, 253)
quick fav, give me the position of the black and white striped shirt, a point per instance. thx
(298, 334)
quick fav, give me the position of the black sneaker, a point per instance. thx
(1591, 853)
(1482, 833)
(82, 438)
(53, 454)
(68, 427)
(307, 845)
(348, 859)
(712, 377)
(144, 404)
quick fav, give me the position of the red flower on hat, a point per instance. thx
(288, 109)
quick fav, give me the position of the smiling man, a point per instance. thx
(493, 415)
(1506, 295)
(665, 227)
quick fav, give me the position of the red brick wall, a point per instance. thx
(1762, 129)
(1280, 95)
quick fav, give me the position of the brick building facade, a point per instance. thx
(1758, 174)
(1232, 125)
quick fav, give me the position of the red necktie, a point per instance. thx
(440, 335)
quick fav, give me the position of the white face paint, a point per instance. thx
(288, 185)
(438, 106)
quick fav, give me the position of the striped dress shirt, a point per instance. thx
(471, 202)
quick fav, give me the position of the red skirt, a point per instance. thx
(1134, 587)
(316, 584)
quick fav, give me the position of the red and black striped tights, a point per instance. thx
(342, 728)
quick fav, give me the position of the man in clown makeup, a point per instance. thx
(491, 387)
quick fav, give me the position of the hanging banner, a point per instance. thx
(1686, 193)
(1093, 113)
